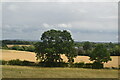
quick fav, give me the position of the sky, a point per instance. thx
(86, 21)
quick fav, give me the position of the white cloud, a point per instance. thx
(57, 25)
(12, 7)
(46, 25)
(64, 25)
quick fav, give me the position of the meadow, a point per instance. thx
(38, 72)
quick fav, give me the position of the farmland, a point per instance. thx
(38, 72)
(30, 56)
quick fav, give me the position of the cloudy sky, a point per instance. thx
(86, 21)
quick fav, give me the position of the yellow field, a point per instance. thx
(30, 56)
(22, 55)
(16, 45)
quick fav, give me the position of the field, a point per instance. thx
(30, 56)
(16, 45)
(37, 72)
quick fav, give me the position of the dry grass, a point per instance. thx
(37, 72)
(30, 56)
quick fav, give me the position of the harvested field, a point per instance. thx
(22, 55)
(30, 56)
(17, 45)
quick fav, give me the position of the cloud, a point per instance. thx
(96, 19)
(60, 0)
(12, 7)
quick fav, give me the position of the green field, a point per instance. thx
(38, 72)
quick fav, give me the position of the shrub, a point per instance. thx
(3, 62)
(79, 65)
(27, 63)
(25, 48)
(16, 47)
(97, 65)
(15, 62)
(31, 48)
(53, 64)
(88, 65)
(21, 63)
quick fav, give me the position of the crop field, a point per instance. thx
(16, 45)
(38, 72)
(30, 56)
(22, 55)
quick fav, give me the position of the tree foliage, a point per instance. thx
(100, 54)
(87, 45)
(54, 43)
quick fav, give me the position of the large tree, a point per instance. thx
(54, 43)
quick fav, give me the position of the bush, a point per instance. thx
(97, 65)
(31, 48)
(79, 65)
(16, 47)
(23, 48)
(3, 62)
(21, 63)
(3, 46)
(27, 63)
(88, 65)
(15, 62)
(53, 64)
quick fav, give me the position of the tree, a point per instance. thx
(54, 43)
(100, 55)
(115, 51)
(3, 45)
(87, 47)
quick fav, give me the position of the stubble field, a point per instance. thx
(30, 56)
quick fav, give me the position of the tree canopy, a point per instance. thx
(100, 54)
(54, 43)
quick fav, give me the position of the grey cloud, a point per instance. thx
(85, 18)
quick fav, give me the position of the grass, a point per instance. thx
(38, 72)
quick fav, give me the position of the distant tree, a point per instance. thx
(115, 51)
(30, 48)
(111, 45)
(54, 43)
(15, 47)
(3, 45)
(87, 45)
(100, 55)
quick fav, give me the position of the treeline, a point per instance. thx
(17, 42)
(82, 47)
(85, 47)
(30, 48)
(4, 45)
